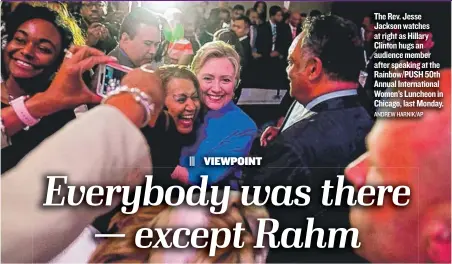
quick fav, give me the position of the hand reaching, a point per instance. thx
(269, 134)
(68, 90)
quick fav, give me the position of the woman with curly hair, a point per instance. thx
(124, 250)
(38, 34)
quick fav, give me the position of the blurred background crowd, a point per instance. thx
(261, 32)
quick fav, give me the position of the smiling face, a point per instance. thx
(217, 81)
(182, 101)
(35, 46)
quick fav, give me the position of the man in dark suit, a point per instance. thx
(272, 43)
(241, 26)
(324, 131)
(295, 28)
(140, 38)
(295, 24)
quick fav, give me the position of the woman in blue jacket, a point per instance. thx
(226, 130)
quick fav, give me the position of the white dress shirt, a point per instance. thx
(299, 111)
(274, 29)
(243, 38)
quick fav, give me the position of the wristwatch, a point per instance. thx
(21, 110)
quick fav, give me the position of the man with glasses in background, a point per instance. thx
(94, 24)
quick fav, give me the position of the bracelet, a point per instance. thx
(140, 97)
(6, 141)
(22, 112)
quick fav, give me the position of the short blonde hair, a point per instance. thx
(216, 49)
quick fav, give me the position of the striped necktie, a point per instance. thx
(274, 36)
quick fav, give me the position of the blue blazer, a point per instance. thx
(228, 132)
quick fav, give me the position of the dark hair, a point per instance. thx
(286, 15)
(238, 7)
(303, 15)
(74, 8)
(244, 18)
(314, 13)
(248, 12)
(263, 15)
(169, 72)
(371, 18)
(228, 36)
(111, 6)
(59, 17)
(139, 16)
(214, 14)
(224, 10)
(274, 10)
(337, 43)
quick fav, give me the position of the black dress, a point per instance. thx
(26, 140)
(165, 143)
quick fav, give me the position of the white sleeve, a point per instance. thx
(100, 147)
(81, 249)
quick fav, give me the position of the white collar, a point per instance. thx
(292, 27)
(329, 96)
(271, 23)
(242, 38)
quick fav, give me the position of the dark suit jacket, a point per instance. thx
(264, 40)
(122, 57)
(246, 75)
(166, 143)
(271, 71)
(313, 150)
(299, 29)
(246, 51)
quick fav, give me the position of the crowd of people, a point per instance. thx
(179, 102)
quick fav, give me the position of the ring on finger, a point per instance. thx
(68, 54)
